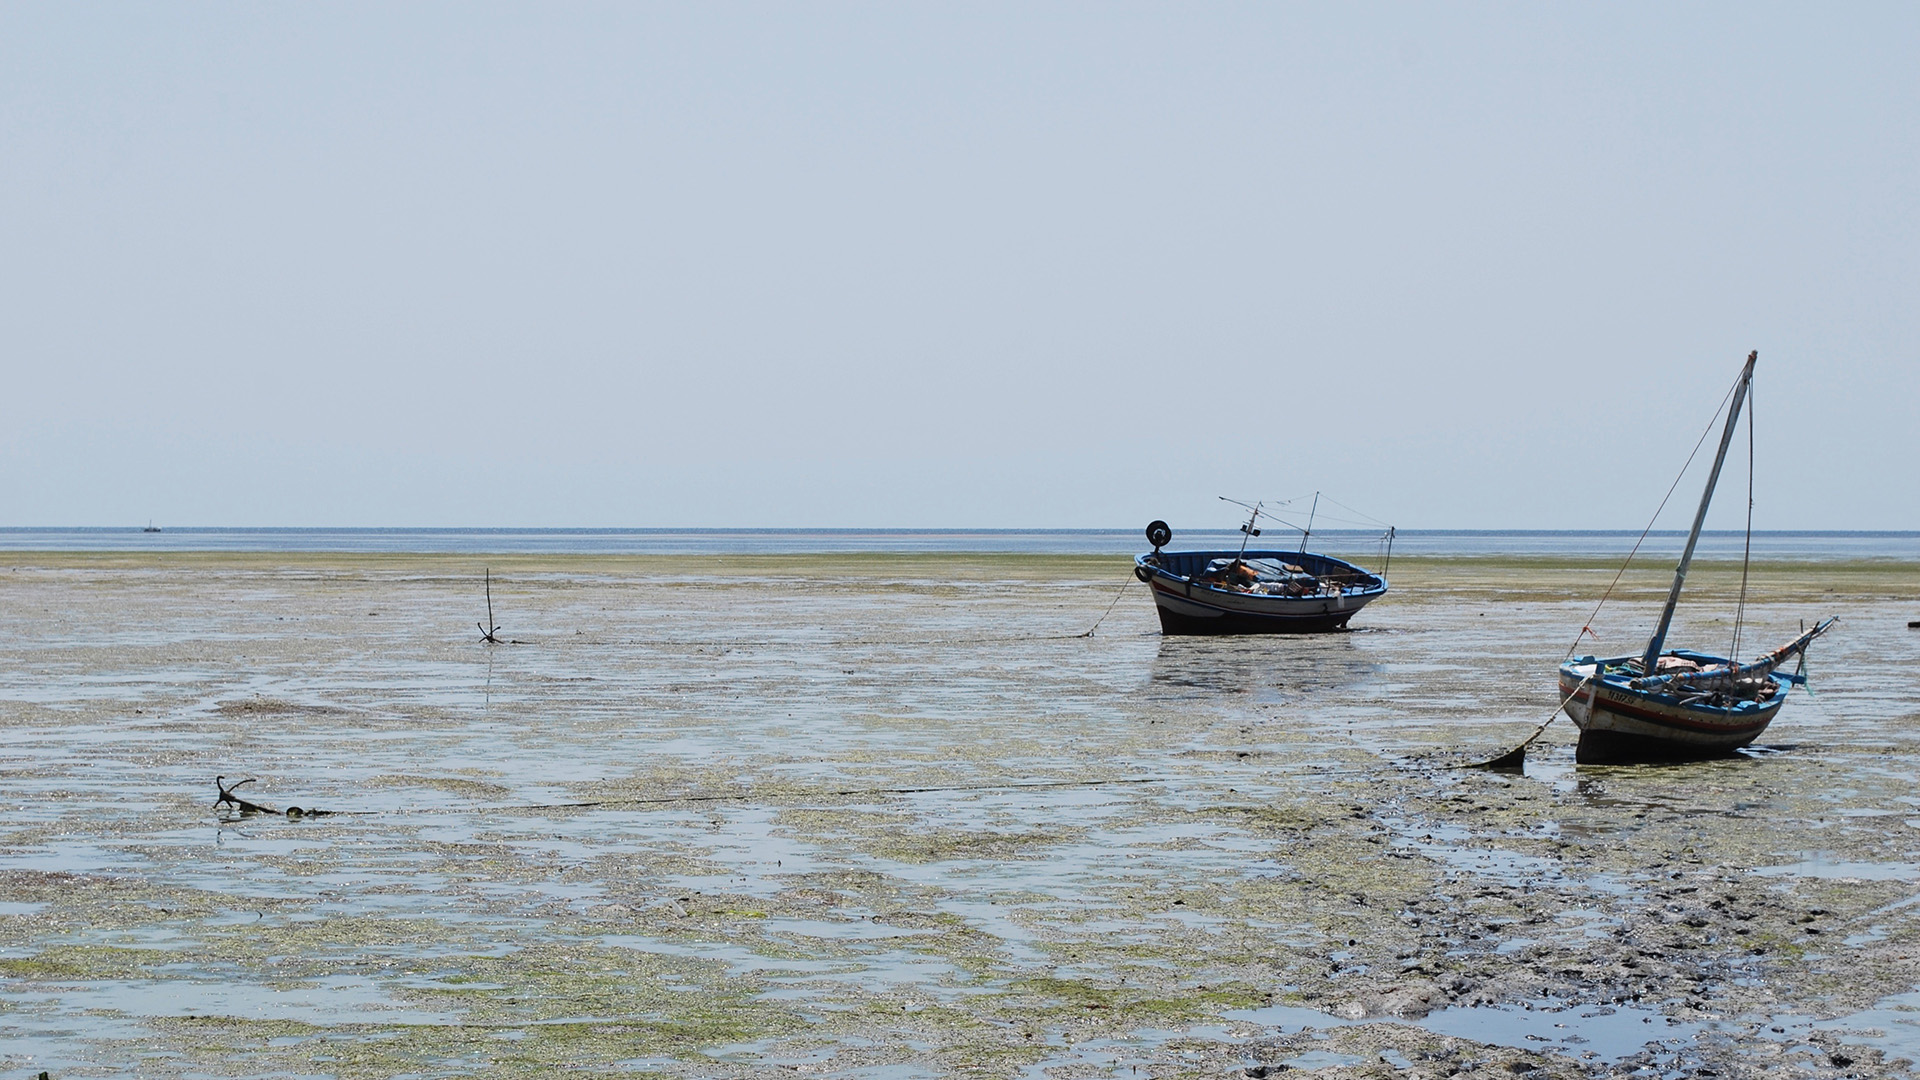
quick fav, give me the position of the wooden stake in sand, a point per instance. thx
(490, 632)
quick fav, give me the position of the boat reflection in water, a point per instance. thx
(1263, 669)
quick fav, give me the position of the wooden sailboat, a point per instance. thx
(1679, 704)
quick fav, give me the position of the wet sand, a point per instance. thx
(889, 816)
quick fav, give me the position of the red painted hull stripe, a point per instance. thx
(1666, 720)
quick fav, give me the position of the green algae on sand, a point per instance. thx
(852, 816)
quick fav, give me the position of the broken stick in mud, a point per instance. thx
(227, 797)
(489, 633)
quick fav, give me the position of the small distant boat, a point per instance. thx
(150, 526)
(1679, 705)
(1253, 592)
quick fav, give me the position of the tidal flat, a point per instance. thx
(895, 817)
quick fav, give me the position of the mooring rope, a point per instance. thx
(1520, 750)
(742, 796)
(1587, 628)
(1746, 551)
(774, 643)
(799, 797)
(1110, 607)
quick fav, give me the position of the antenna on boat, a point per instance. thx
(1255, 509)
(1699, 518)
(1308, 531)
(1247, 531)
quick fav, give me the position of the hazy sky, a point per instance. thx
(1461, 265)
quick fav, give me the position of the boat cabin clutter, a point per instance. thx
(1694, 681)
(1267, 578)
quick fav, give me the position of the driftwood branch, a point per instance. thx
(228, 798)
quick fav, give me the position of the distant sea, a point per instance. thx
(1713, 545)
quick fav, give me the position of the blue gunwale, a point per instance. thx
(1715, 718)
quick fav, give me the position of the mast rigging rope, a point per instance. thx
(1746, 552)
(1587, 627)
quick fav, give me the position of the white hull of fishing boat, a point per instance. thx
(1193, 601)
(1189, 603)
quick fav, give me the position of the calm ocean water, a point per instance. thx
(1771, 545)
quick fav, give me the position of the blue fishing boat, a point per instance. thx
(1679, 704)
(1253, 592)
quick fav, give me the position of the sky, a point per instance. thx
(1047, 265)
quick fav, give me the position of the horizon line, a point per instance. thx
(914, 530)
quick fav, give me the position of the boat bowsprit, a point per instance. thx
(1252, 592)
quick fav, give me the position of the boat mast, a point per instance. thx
(1699, 518)
(1308, 531)
(1247, 531)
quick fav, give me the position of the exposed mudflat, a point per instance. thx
(888, 817)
